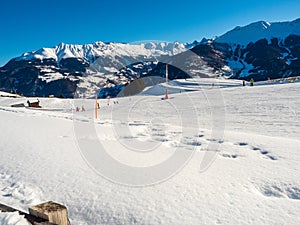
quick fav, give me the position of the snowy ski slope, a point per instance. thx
(252, 175)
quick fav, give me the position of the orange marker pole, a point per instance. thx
(167, 74)
(96, 107)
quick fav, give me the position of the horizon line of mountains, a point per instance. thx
(260, 50)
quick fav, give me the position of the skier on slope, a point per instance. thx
(251, 82)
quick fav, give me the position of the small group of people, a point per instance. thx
(78, 109)
(115, 102)
(251, 82)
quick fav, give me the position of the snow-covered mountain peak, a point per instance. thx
(255, 31)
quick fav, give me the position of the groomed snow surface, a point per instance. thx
(253, 158)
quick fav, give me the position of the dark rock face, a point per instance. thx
(73, 65)
(24, 77)
(214, 54)
(174, 72)
(268, 59)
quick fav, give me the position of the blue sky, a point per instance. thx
(28, 25)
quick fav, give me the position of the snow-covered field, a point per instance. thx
(240, 147)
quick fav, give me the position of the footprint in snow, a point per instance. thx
(136, 124)
(280, 190)
(215, 140)
(265, 153)
(191, 141)
(231, 156)
(20, 193)
(242, 143)
(271, 157)
(64, 136)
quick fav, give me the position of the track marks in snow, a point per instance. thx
(215, 140)
(228, 155)
(158, 133)
(241, 144)
(266, 154)
(272, 157)
(137, 123)
(191, 141)
(18, 194)
(234, 150)
(174, 137)
(280, 190)
(169, 135)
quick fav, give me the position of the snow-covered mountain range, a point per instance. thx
(258, 50)
(65, 68)
(90, 52)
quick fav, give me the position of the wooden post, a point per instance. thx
(52, 212)
(31, 218)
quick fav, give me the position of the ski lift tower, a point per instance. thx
(167, 75)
